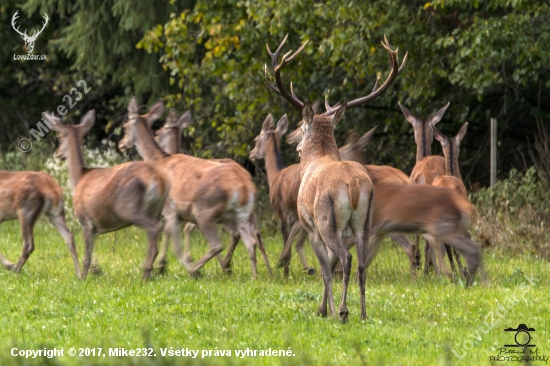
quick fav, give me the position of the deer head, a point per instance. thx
(169, 136)
(258, 152)
(138, 123)
(423, 135)
(67, 134)
(451, 148)
(29, 40)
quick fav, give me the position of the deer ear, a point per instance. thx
(439, 136)
(307, 113)
(410, 117)
(86, 122)
(154, 113)
(364, 140)
(282, 126)
(436, 117)
(295, 136)
(462, 132)
(268, 123)
(184, 121)
(133, 108)
(54, 121)
(339, 114)
(171, 119)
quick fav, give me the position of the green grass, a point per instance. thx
(410, 322)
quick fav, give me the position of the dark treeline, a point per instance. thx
(489, 59)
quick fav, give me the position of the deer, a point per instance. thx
(335, 197)
(29, 40)
(451, 147)
(204, 192)
(110, 199)
(283, 183)
(380, 174)
(428, 167)
(25, 196)
(168, 138)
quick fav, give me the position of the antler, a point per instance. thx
(279, 89)
(35, 33)
(395, 70)
(13, 19)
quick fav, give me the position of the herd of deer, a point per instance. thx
(331, 195)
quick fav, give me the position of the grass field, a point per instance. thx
(427, 321)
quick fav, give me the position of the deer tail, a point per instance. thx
(354, 191)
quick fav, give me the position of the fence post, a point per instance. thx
(493, 151)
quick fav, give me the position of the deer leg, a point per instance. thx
(153, 230)
(262, 250)
(209, 230)
(27, 218)
(437, 249)
(409, 249)
(226, 261)
(286, 254)
(300, 249)
(88, 249)
(417, 252)
(362, 241)
(449, 251)
(345, 258)
(163, 251)
(322, 255)
(6, 263)
(470, 251)
(187, 240)
(247, 234)
(58, 221)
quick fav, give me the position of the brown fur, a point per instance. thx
(325, 207)
(437, 211)
(203, 192)
(428, 169)
(109, 199)
(284, 183)
(25, 196)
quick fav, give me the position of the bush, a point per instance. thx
(513, 214)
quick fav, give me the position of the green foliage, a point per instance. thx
(487, 58)
(514, 214)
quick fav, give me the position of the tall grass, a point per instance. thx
(514, 215)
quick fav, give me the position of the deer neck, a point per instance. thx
(320, 144)
(173, 141)
(75, 161)
(273, 161)
(451, 161)
(146, 145)
(424, 147)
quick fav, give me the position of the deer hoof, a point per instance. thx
(344, 316)
(309, 271)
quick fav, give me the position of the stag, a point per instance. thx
(334, 196)
(109, 199)
(379, 174)
(29, 40)
(203, 192)
(25, 196)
